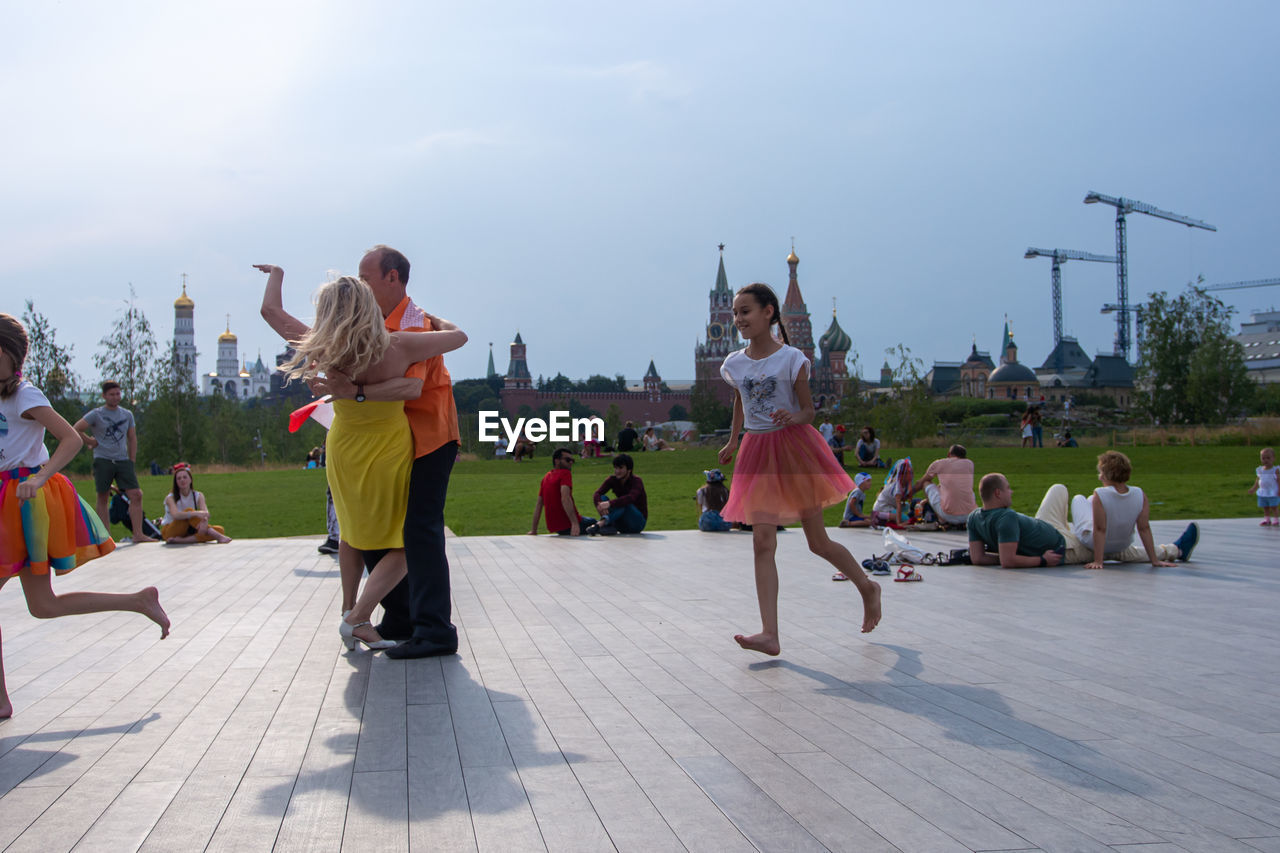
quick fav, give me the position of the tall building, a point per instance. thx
(184, 334)
(234, 380)
(722, 338)
(795, 315)
(831, 372)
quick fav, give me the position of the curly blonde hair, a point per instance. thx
(348, 335)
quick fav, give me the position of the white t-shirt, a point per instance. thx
(1121, 510)
(22, 439)
(765, 385)
(185, 504)
(1268, 484)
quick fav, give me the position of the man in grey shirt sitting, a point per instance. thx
(110, 431)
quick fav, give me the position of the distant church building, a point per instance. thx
(232, 379)
(1012, 380)
(184, 334)
(829, 372)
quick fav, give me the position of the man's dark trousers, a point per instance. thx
(420, 604)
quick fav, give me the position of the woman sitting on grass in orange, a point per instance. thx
(186, 515)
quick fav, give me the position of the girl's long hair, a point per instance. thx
(177, 492)
(14, 342)
(348, 335)
(765, 297)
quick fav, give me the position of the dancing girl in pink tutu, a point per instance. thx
(785, 471)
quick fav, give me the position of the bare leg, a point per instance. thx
(6, 707)
(44, 604)
(390, 570)
(350, 569)
(207, 532)
(764, 538)
(102, 509)
(135, 515)
(182, 540)
(815, 533)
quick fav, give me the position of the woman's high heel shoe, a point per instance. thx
(347, 631)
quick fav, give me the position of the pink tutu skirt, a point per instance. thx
(783, 475)
(54, 530)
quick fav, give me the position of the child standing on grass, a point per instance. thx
(44, 524)
(1267, 487)
(785, 471)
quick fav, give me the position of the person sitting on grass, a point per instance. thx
(948, 484)
(628, 511)
(868, 450)
(555, 495)
(186, 515)
(887, 510)
(651, 441)
(854, 513)
(711, 499)
(1106, 521)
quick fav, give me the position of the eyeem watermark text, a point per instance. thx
(560, 427)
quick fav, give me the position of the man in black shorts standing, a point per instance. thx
(110, 431)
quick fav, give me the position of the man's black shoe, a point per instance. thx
(330, 546)
(606, 530)
(391, 632)
(416, 647)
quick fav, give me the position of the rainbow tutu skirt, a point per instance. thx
(55, 530)
(783, 475)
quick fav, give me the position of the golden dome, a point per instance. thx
(791, 258)
(184, 301)
(227, 337)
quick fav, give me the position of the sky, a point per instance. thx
(566, 170)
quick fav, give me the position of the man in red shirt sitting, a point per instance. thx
(555, 494)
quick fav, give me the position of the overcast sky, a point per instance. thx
(568, 169)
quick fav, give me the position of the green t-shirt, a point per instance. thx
(993, 526)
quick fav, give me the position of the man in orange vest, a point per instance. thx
(418, 610)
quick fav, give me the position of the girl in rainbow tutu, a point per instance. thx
(44, 524)
(785, 471)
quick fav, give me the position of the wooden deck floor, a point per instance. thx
(599, 702)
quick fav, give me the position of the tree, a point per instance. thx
(128, 350)
(677, 413)
(907, 413)
(48, 364)
(596, 382)
(708, 412)
(172, 425)
(1190, 370)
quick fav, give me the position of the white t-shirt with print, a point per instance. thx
(764, 384)
(22, 439)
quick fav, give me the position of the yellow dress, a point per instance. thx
(370, 454)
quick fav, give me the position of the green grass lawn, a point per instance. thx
(489, 496)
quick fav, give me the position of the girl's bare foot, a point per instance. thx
(6, 708)
(152, 610)
(764, 643)
(870, 606)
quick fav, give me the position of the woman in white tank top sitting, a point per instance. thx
(186, 516)
(1106, 521)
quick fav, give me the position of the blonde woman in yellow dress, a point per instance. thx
(370, 447)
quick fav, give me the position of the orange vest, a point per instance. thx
(433, 417)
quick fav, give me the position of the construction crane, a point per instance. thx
(1112, 307)
(1241, 285)
(1060, 256)
(1124, 206)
